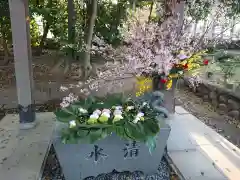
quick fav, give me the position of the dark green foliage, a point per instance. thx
(5, 24)
(200, 10)
(109, 19)
(228, 64)
(233, 7)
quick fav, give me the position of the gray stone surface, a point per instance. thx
(22, 152)
(82, 160)
(199, 152)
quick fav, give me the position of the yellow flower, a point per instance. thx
(183, 62)
(173, 75)
(143, 85)
(169, 84)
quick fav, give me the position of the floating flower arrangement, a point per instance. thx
(95, 118)
(186, 64)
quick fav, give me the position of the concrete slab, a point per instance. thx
(225, 160)
(179, 140)
(197, 131)
(211, 155)
(22, 152)
(193, 165)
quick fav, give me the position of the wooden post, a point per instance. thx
(20, 20)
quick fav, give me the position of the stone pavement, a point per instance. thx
(22, 152)
(200, 153)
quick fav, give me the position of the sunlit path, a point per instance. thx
(199, 152)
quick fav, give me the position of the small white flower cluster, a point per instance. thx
(117, 113)
(68, 100)
(72, 124)
(102, 116)
(129, 108)
(140, 116)
(82, 110)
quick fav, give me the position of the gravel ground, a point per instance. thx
(52, 171)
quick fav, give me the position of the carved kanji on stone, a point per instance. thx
(97, 154)
(131, 150)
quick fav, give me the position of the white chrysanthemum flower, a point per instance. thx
(97, 111)
(72, 124)
(118, 107)
(106, 110)
(140, 114)
(106, 114)
(117, 112)
(130, 108)
(144, 104)
(81, 110)
(104, 117)
(136, 120)
(117, 117)
(94, 116)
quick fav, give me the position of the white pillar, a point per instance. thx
(19, 12)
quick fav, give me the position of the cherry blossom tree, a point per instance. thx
(149, 48)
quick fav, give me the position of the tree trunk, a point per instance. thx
(45, 30)
(179, 9)
(195, 29)
(6, 52)
(71, 29)
(71, 21)
(150, 13)
(43, 39)
(169, 7)
(134, 5)
(5, 49)
(89, 34)
(233, 24)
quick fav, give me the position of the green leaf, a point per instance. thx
(84, 103)
(135, 132)
(94, 126)
(82, 133)
(95, 135)
(151, 127)
(64, 116)
(69, 136)
(151, 143)
(105, 132)
(72, 139)
(119, 131)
